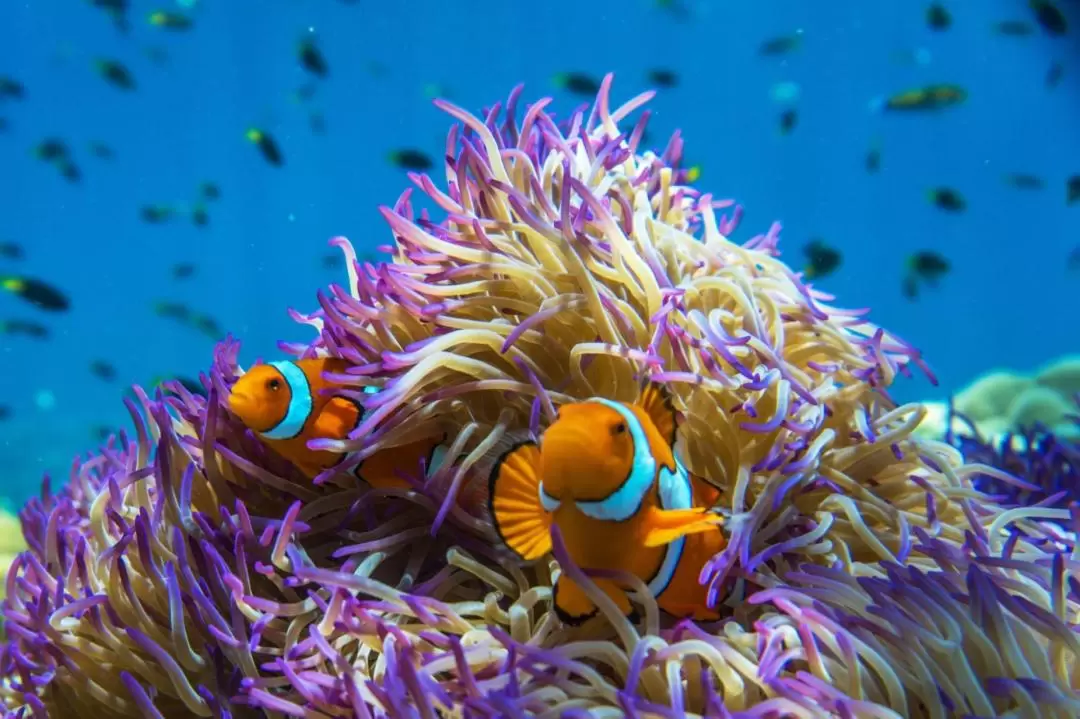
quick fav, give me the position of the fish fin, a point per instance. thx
(509, 441)
(572, 605)
(523, 524)
(339, 417)
(705, 494)
(667, 525)
(655, 401)
(380, 470)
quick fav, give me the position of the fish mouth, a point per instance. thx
(243, 405)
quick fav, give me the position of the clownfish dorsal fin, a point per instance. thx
(656, 402)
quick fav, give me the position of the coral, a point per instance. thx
(186, 571)
(1002, 402)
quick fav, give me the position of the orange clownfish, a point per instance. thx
(290, 403)
(606, 473)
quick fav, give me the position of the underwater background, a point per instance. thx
(130, 180)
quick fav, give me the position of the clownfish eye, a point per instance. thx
(273, 385)
(619, 428)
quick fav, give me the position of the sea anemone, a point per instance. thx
(187, 571)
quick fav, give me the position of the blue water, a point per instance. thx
(1009, 300)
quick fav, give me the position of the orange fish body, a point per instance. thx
(290, 403)
(606, 474)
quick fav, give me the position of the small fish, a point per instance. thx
(11, 251)
(209, 191)
(577, 83)
(115, 73)
(1024, 181)
(290, 403)
(51, 149)
(4, 124)
(411, 159)
(208, 326)
(928, 265)
(662, 77)
(1072, 190)
(311, 58)
(101, 151)
(1073, 261)
(1049, 17)
(156, 214)
(101, 432)
(69, 170)
(11, 89)
(116, 10)
(317, 123)
(788, 120)
(938, 17)
(200, 217)
(947, 199)
(781, 45)
(25, 328)
(606, 474)
(103, 370)
(172, 310)
(37, 292)
(1013, 28)
(930, 97)
(5, 412)
(267, 146)
(872, 161)
(1054, 74)
(822, 260)
(183, 270)
(304, 93)
(333, 261)
(170, 21)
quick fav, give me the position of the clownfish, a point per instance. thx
(289, 403)
(605, 472)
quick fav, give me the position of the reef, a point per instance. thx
(186, 571)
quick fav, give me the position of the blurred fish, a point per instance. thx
(919, 56)
(317, 123)
(1024, 181)
(662, 77)
(938, 17)
(69, 170)
(822, 260)
(872, 161)
(208, 326)
(5, 412)
(434, 90)
(1013, 28)
(1072, 190)
(157, 55)
(183, 270)
(1049, 17)
(677, 9)
(114, 73)
(199, 216)
(103, 370)
(4, 124)
(209, 191)
(304, 93)
(926, 267)
(170, 21)
(411, 159)
(37, 292)
(51, 149)
(24, 327)
(101, 151)
(1073, 262)
(333, 261)
(947, 199)
(11, 250)
(311, 58)
(1054, 74)
(788, 120)
(172, 310)
(577, 83)
(781, 45)
(156, 214)
(101, 432)
(116, 10)
(930, 97)
(11, 89)
(267, 146)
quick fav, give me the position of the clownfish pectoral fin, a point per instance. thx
(514, 501)
(339, 417)
(655, 400)
(667, 525)
(705, 494)
(573, 606)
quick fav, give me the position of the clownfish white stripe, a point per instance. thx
(624, 502)
(675, 493)
(300, 403)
